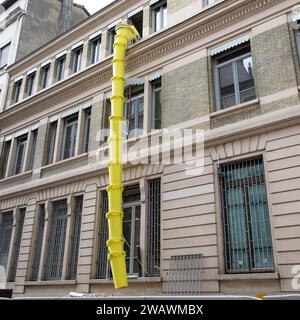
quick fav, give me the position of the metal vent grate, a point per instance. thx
(17, 244)
(185, 274)
(103, 268)
(5, 237)
(75, 238)
(56, 242)
(247, 230)
(38, 243)
(154, 228)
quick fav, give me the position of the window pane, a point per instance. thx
(246, 79)
(51, 145)
(5, 237)
(70, 132)
(157, 18)
(60, 68)
(165, 17)
(227, 91)
(4, 54)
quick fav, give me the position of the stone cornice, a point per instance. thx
(176, 37)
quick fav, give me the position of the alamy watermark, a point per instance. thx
(165, 147)
(296, 279)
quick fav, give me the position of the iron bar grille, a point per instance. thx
(38, 243)
(5, 237)
(102, 272)
(248, 242)
(56, 242)
(17, 244)
(75, 238)
(185, 275)
(154, 228)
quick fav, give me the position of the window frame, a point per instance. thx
(30, 84)
(77, 54)
(21, 141)
(45, 70)
(233, 62)
(70, 121)
(95, 50)
(111, 33)
(162, 6)
(155, 89)
(87, 129)
(52, 136)
(3, 65)
(17, 91)
(60, 68)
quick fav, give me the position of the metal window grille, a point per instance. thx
(17, 244)
(185, 274)
(102, 272)
(56, 242)
(75, 238)
(248, 242)
(38, 243)
(5, 237)
(154, 228)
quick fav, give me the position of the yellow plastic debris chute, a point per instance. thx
(124, 34)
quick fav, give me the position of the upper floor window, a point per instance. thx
(45, 73)
(111, 33)
(248, 240)
(208, 2)
(60, 68)
(234, 78)
(29, 84)
(52, 130)
(4, 54)
(76, 59)
(4, 158)
(159, 15)
(134, 110)
(87, 126)
(20, 154)
(16, 91)
(95, 47)
(32, 149)
(156, 104)
(6, 227)
(69, 137)
(137, 21)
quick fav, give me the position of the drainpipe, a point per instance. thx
(124, 34)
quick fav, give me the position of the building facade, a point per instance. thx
(228, 67)
(26, 25)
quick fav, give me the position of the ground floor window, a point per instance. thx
(247, 231)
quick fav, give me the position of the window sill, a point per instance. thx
(236, 109)
(249, 276)
(50, 283)
(130, 280)
(17, 177)
(61, 163)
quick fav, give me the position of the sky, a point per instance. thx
(93, 5)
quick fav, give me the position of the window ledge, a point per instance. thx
(130, 280)
(235, 109)
(17, 177)
(50, 283)
(249, 276)
(61, 163)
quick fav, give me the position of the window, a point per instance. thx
(51, 142)
(208, 2)
(4, 54)
(20, 154)
(153, 230)
(4, 158)
(76, 61)
(45, 76)
(29, 84)
(131, 231)
(87, 126)
(95, 47)
(60, 68)
(56, 243)
(111, 33)
(38, 242)
(16, 91)
(134, 110)
(137, 21)
(17, 244)
(234, 79)
(156, 104)
(75, 237)
(159, 16)
(248, 242)
(69, 137)
(105, 119)
(33, 148)
(6, 226)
